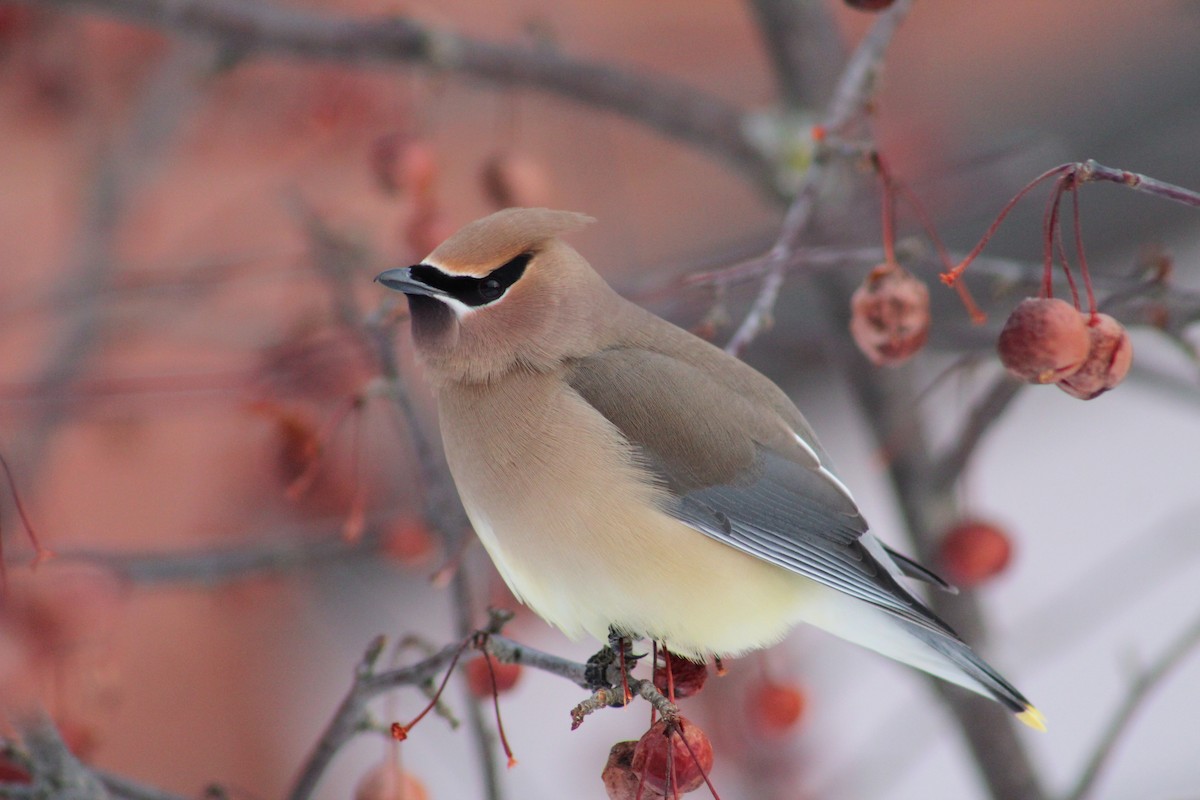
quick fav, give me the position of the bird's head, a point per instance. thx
(502, 293)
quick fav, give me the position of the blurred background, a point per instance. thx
(177, 395)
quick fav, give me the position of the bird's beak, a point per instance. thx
(402, 280)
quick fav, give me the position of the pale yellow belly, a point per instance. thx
(577, 531)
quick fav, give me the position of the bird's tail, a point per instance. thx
(983, 677)
(939, 652)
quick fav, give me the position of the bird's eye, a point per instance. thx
(490, 289)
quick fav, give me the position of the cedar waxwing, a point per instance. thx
(624, 474)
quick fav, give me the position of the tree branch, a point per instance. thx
(1143, 685)
(986, 411)
(804, 47)
(850, 101)
(246, 28)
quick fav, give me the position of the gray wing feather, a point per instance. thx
(743, 494)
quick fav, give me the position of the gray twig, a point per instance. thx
(1139, 691)
(850, 100)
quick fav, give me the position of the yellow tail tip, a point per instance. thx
(1033, 718)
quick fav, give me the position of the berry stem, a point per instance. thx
(964, 294)
(487, 657)
(40, 553)
(951, 276)
(888, 210)
(1083, 266)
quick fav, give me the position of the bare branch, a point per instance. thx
(670, 107)
(979, 421)
(1140, 690)
(1091, 171)
(888, 399)
(216, 566)
(850, 101)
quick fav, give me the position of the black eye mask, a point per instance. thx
(473, 291)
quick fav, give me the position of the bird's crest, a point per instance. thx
(480, 246)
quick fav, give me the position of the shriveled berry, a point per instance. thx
(620, 781)
(889, 315)
(1107, 361)
(479, 678)
(673, 758)
(1044, 340)
(686, 677)
(973, 551)
(775, 708)
(387, 781)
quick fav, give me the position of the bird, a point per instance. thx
(625, 475)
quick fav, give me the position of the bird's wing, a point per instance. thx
(733, 470)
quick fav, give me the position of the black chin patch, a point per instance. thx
(431, 318)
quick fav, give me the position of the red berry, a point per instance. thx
(387, 781)
(1107, 361)
(1044, 340)
(686, 677)
(889, 315)
(673, 758)
(408, 541)
(775, 708)
(973, 551)
(870, 5)
(479, 679)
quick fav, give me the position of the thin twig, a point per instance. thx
(1139, 691)
(668, 106)
(351, 717)
(850, 101)
(1091, 171)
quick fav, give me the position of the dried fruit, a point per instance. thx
(1044, 340)
(686, 676)
(387, 781)
(673, 758)
(1107, 360)
(479, 678)
(775, 708)
(889, 315)
(973, 551)
(620, 781)
(870, 5)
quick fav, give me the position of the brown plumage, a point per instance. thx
(622, 472)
